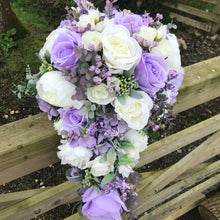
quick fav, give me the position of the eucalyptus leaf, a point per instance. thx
(126, 144)
(21, 88)
(125, 160)
(135, 94)
(111, 155)
(91, 115)
(83, 111)
(103, 158)
(108, 178)
(129, 72)
(121, 99)
(96, 189)
(93, 107)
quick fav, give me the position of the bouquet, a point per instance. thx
(107, 79)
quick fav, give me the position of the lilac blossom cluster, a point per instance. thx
(106, 78)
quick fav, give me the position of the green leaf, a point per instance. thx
(91, 115)
(125, 160)
(129, 72)
(135, 94)
(116, 142)
(108, 178)
(83, 111)
(80, 210)
(96, 189)
(103, 158)
(121, 99)
(93, 107)
(21, 88)
(111, 155)
(19, 95)
(126, 144)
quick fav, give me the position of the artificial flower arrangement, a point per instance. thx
(105, 80)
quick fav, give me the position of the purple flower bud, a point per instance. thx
(110, 90)
(108, 73)
(109, 79)
(97, 71)
(92, 68)
(156, 127)
(98, 58)
(91, 47)
(156, 107)
(99, 64)
(117, 88)
(155, 44)
(97, 80)
(159, 16)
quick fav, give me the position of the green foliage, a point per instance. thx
(108, 178)
(6, 42)
(125, 160)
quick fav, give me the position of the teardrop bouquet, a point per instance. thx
(106, 79)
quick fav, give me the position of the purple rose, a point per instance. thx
(131, 21)
(63, 55)
(102, 206)
(151, 73)
(72, 120)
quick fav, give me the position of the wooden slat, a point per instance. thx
(192, 22)
(10, 199)
(42, 202)
(179, 140)
(190, 198)
(33, 140)
(200, 84)
(194, 11)
(203, 152)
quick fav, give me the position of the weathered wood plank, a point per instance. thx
(192, 22)
(210, 208)
(191, 197)
(203, 152)
(42, 202)
(10, 199)
(34, 141)
(184, 182)
(179, 140)
(200, 84)
(194, 11)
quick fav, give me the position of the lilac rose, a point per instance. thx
(102, 206)
(151, 73)
(131, 21)
(72, 120)
(63, 55)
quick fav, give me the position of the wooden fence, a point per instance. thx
(208, 21)
(30, 144)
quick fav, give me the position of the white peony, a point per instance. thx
(91, 38)
(147, 33)
(101, 168)
(49, 41)
(75, 156)
(135, 112)
(92, 18)
(54, 89)
(138, 140)
(99, 94)
(161, 32)
(125, 170)
(120, 51)
(169, 48)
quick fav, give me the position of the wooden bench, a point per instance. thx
(30, 144)
(208, 21)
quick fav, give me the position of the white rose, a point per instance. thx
(102, 24)
(138, 140)
(49, 41)
(135, 112)
(92, 18)
(120, 51)
(91, 38)
(58, 126)
(114, 82)
(101, 168)
(99, 94)
(125, 170)
(75, 156)
(161, 32)
(147, 33)
(54, 89)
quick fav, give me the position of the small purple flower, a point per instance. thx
(45, 107)
(131, 21)
(151, 73)
(102, 206)
(72, 120)
(63, 55)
